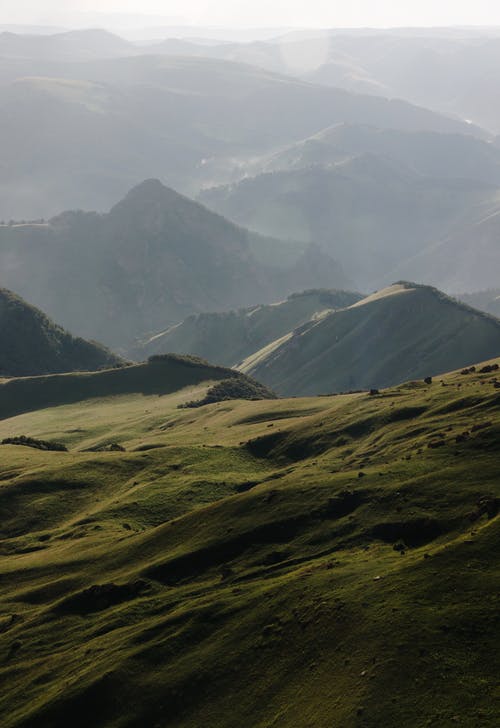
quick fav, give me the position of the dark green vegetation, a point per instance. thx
(30, 343)
(229, 389)
(406, 331)
(155, 258)
(318, 562)
(160, 375)
(380, 218)
(24, 441)
(229, 337)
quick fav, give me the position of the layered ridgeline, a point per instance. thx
(230, 566)
(440, 156)
(30, 343)
(403, 332)
(188, 121)
(155, 258)
(229, 337)
(450, 69)
(375, 215)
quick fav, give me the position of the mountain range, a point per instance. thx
(453, 71)
(277, 502)
(227, 338)
(79, 132)
(378, 217)
(401, 333)
(155, 258)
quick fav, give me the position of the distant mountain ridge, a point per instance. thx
(406, 331)
(228, 338)
(154, 259)
(188, 121)
(32, 344)
(446, 156)
(372, 213)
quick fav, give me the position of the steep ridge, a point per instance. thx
(30, 343)
(406, 331)
(228, 338)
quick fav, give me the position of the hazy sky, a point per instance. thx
(312, 13)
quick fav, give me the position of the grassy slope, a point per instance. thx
(229, 337)
(272, 594)
(159, 375)
(415, 333)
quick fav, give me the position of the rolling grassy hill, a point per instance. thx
(228, 338)
(160, 375)
(403, 332)
(326, 562)
(153, 259)
(30, 343)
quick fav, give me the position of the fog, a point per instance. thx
(240, 13)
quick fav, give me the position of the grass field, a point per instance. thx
(320, 562)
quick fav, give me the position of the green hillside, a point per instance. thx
(30, 343)
(228, 338)
(406, 331)
(318, 562)
(160, 375)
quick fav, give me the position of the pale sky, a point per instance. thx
(265, 13)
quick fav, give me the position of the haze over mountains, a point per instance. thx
(373, 214)
(276, 502)
(80, 133)
(152, 260)
(85, 115)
